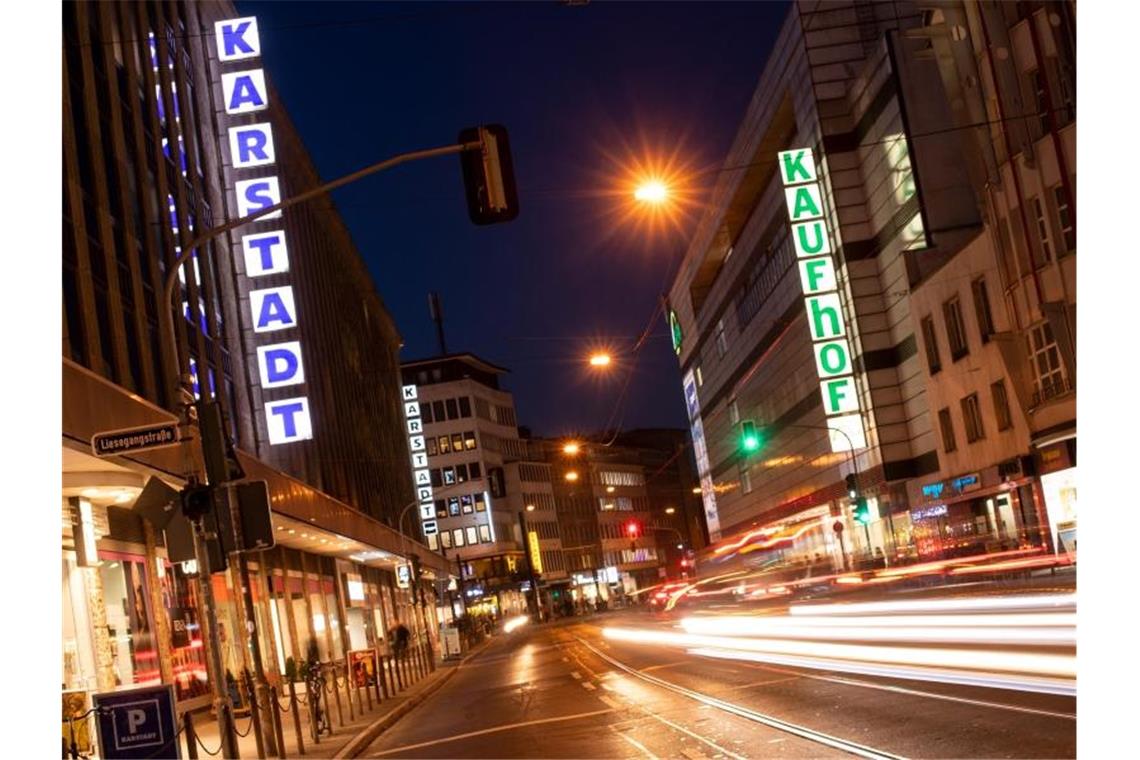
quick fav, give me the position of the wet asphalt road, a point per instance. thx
(550, 692)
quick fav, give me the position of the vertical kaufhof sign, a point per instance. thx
(272, 309)
(833, 359)
(421, 475)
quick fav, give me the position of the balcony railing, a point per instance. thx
(1051, 389)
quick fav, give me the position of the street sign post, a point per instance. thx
(137, 723)
(143, 438)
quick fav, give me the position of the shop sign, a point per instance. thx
(535, 554)
(138, 723)
(675, 332)
(700, 453)
(363, 664)
(1054, 458)
(938, 510)
(933, 490)
(272, 309)
(403, 576)
(967, 483)
(421, 475)
(812, 242)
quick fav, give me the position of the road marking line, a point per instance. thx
(610, 702)
(696, 736)
(588, 685)
(666, 665)
(920, 693)
(495, 729)
(575, 675)
(749, 714)
(636, 744)
(765, 683)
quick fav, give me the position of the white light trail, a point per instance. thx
(515, 622)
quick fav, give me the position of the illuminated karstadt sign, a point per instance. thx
(273, 310)
(421, 475)
(812, 241)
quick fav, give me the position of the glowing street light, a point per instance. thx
(697, 490)
(669, 510)
(653, 191)
(600, 359)
(571, 448)
(571, 476)
(529, 507)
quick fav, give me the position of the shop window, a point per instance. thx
(134, 650)
(464, 406)
(972, 418)
(485, 533)
(946, 424)
(1001, 405)
(457, 442)
(955, 329)
(432, 448)
(444, 444)
(982, 309)
(469, 440)
(472, 538)
(930, 343)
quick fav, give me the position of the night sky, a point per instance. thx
(588, 93)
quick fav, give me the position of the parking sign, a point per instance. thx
(138, 723)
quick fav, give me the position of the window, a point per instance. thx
(475, 470)
(471, 537)
(1037, 81)
(1065, 220)
(453, 506)
(437, 411)
(425, 412)
(721, 339)
(440, 509)
(433, 542)
(452, 409)
(972, 417)
(436, 479)
(469, 440)
(466, 504)
(1007, 255)
(485, 533)
(458, 533)
(445, 539)
(1046, 359)
(432, 449)
(480, 503)
(457, 442)
(444, 444)
(449, 476)
(982, 309)
(947, 426)
(464, 406)
(745, 478)
(733, 412)
(1042, 233)
(461, 473)
(930, 341)
(955, 330)
(1001, 405)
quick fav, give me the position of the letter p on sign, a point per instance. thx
(135, 719)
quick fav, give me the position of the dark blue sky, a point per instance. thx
(583, 91)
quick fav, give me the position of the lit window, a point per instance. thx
(445, 539)
(471, 537)
(1046, 359)
(453, 506)
(457, 442)
(469, 440)
(433, 542)
(432, 449)
(444, 444)
(458, 536)
(485, 534)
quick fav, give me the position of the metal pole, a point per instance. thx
(223, 708)
(530, 566)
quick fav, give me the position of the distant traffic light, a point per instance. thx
(489, 175)
(197, 500)
(852, 486)
(862, 511)
(633, 529)
(749, 438)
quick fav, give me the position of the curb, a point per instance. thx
(370, 733)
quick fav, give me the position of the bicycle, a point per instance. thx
(319, 722)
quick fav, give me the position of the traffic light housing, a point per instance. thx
(862, 511)
(852, 486)
(749, 437)
(197, 500)
(489, 175)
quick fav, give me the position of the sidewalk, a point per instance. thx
(350, 735)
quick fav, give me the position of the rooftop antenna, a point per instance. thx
(437, 317)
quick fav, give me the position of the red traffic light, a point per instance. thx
(632, 529)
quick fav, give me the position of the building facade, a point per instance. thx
(148, 163)
(847, 290)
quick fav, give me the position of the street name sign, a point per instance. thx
(114, 442)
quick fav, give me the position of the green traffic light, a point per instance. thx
(749, 438)
(751, 443)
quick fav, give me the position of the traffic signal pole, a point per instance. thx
(222, 704)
